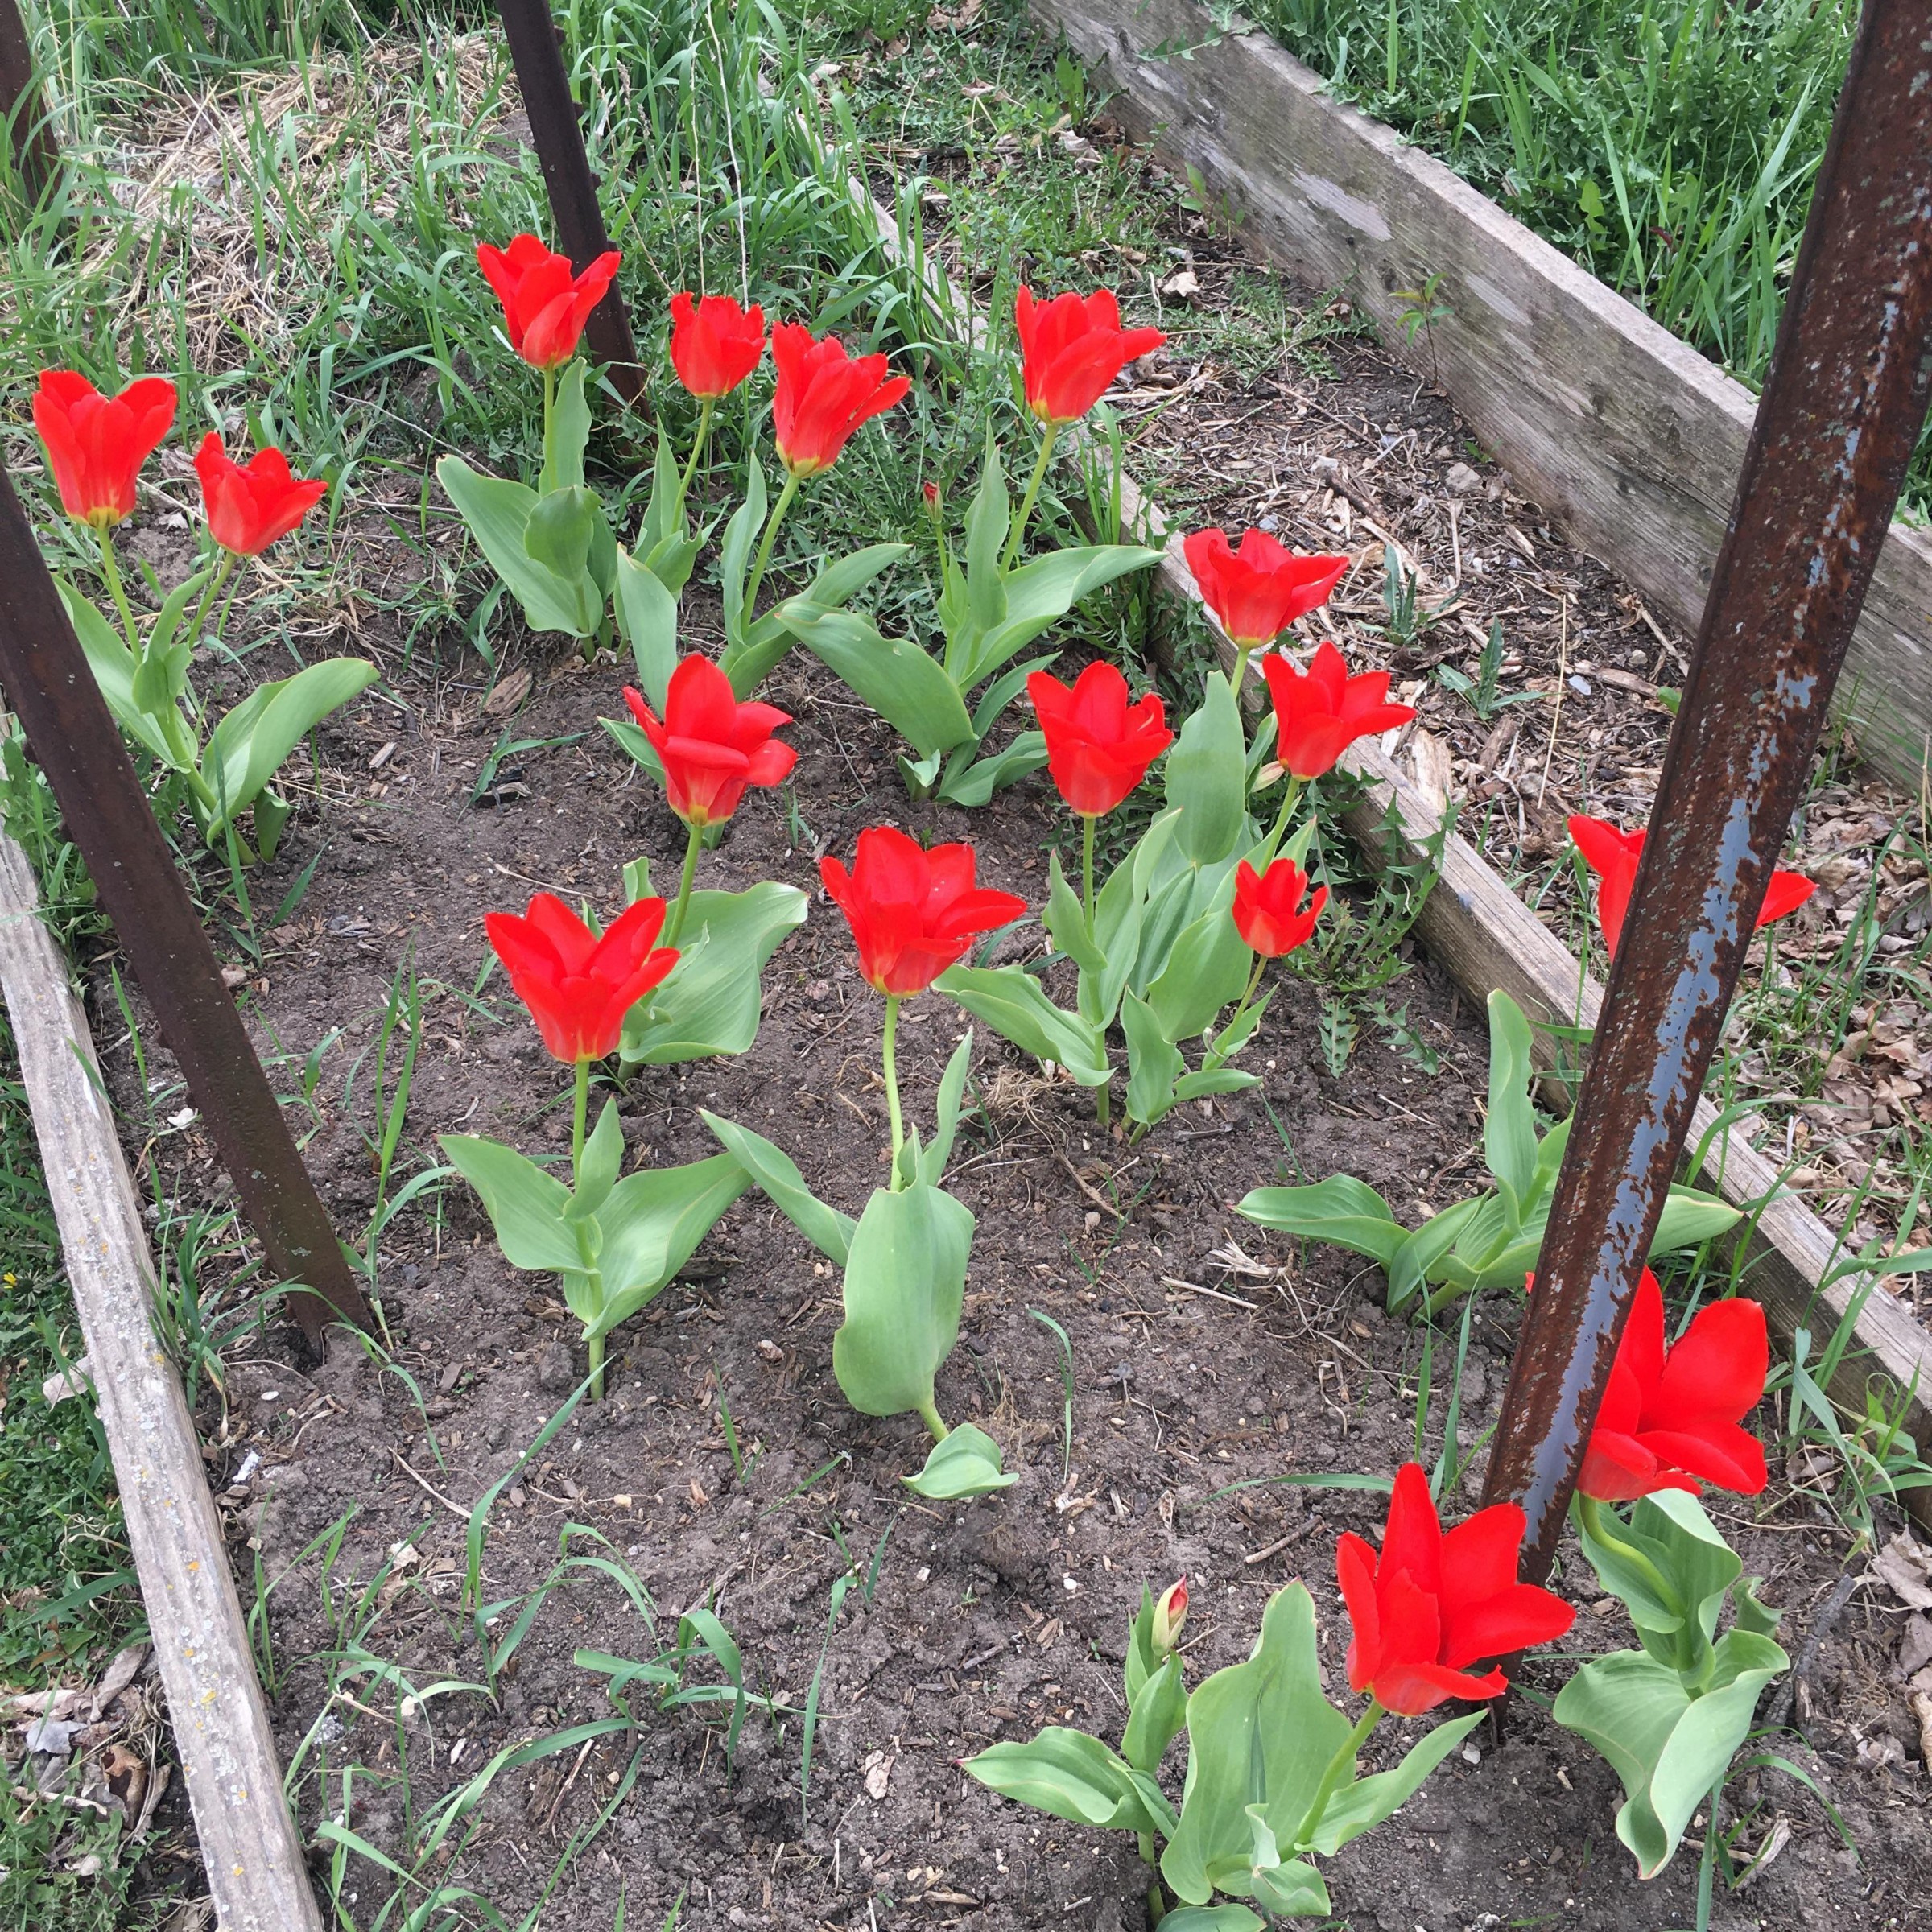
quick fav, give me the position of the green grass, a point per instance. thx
(66, 1599)
(1669, 146)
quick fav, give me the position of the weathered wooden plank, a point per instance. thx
(1627, 436)
(249, 1846)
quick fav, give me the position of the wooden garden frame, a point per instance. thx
(1627, 436)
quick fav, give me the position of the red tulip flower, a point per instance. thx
(1673, 1412)
(96, 444)
(1319, 712)
(545, 304)
(1613, 855)
(710, 745)
(1098, 745)
(1072, 349)
(250, 505)
(824, 395)
(714, 343)
(579, 987)
(1268, 910)
(912, 912)
(1429, 1605)
(1259, 589)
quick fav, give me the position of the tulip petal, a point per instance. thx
(1717, 1367)
(1412, 1689)
(1413, 1540)
(1355, 1572)
(1516, 1617)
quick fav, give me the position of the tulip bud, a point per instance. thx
(930, 492)
(1170, 1613)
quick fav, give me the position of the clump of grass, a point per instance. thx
(1669, 146)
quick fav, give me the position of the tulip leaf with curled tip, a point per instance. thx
(569, 436)
(247, 749)
(900, 681)
(498, 514)
(734, 565)
(1669, 1749)
(1036, 595)
(1066, 1774)
(966, 1464)
(1258, 1733)
(1011, 1002)
(1285, 1889)
(905, 1282)
(708, 1004)
(776, 1175)
(1207, 774)
(647, 616)
(1673, 1569)
(1360, 1806)
(1341, 1210)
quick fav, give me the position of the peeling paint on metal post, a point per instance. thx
(555, 132)
(1840, 414)
(77, 745)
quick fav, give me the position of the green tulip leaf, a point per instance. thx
(647, 616)
(569, 433)
(1260, 1732)
(113, 667)
(247, 748)
(906, 687)
(1153, 1063)
(1669, 1749)
(966, 1464)
(651, 1223)
(1156, 1715)
(776, 1175)
(1207, 776)
(1340, 1210)
(1206, 970)
(709, 1004)
(931, 1165)
(1509, 1143)
(975, 781)
(905, 1282)
(1360, 1806)
(1066, 1774)
(525, 1205)
(1012, 1002)
(498, 514)
(1224, 1917)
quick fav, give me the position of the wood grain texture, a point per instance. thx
(250, 1847)
(1627, 436)
(1487, 939)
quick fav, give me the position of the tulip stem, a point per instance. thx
(764, 544)
(596, 1368)
(1087, 825)
(1290, 800)
(213, 591)
(1047, 439)
(892, 1091)
(1240, 668)
(111, 570)
(580, 1112)
(706, 404)
(675, 925)
(550, 409)
(1338, 1766)
(930, 1416)
(1254, 979)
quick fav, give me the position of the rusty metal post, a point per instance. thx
(1841, 412)
(554, 125)
(23, 107)
(75, 739)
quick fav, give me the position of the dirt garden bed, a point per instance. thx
(1217, 1389)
